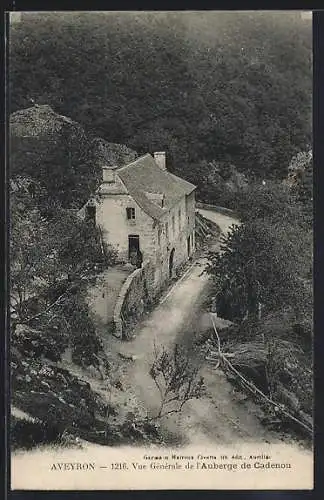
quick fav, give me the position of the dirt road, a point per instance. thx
(221, 416)
(223, 221)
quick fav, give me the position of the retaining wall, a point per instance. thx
(136, 294)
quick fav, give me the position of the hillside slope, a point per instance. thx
(63, 383)
(57, 152)
(229, 86)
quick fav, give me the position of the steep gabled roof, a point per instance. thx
(144, 175)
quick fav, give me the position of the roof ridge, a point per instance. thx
(134, 161)
(145, 176)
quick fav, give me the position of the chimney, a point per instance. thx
(160, 159)
(108, 174)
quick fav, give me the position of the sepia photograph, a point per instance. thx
(160, 178)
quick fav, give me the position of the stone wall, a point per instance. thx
(171, 233)
(112, 218)
(136, 295)
(215, 208)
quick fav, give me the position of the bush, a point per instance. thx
(25, 434)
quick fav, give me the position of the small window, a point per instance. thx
(173, 224)
(130, 213)
(167, 230)
(159, 237)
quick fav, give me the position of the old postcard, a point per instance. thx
(161, 307)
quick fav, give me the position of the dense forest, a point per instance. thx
(220, 92)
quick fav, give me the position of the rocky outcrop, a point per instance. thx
(57, 151)
(38, 121)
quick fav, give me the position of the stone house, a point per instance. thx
(147, 214)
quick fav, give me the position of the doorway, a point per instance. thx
(133, 245)
(171, 259)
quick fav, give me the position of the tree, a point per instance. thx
(177, 379)
(300, 182)
(51, 262)
(269, 200)
(262, 263)
(31, 262)
(48, 257)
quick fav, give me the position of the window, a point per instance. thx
(173, 224)
(130, 213)
(167, 230)
(179, 215)
(159, 236)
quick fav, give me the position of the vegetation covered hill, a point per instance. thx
(56, 151)
(54, 257)
(222, 87)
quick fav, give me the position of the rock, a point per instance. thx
(306, 418)
(83, 403)
(119, 385)
(61, 378)
(63, 372)
(130, 357)
(46, 371)
(288, 398)
(94, 372)
(106, 386)
(82, 384)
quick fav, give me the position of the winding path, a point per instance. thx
(223, 221)
(222, 416)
